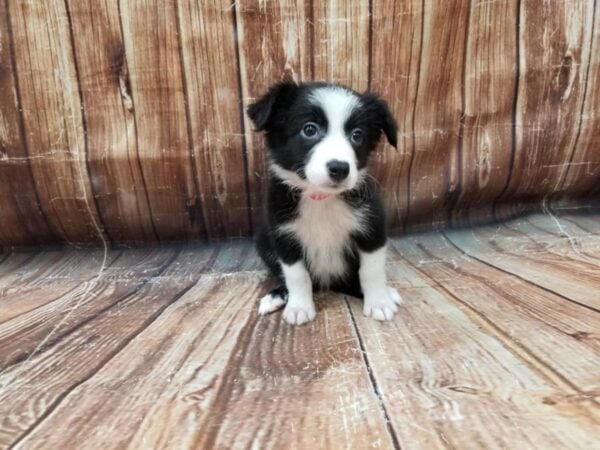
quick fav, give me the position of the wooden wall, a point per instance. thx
(126, 118)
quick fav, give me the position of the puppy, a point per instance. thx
(325, 220)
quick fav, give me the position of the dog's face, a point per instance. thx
(320, 135)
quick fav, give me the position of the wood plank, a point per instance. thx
(578, 281)
(22, 222)
(152, 49)
(341, 42)
(213, 99)
(40, 287)
(434, 167)
(25, 269)
(32, 389)
(15, 261)
(108, 109)
(543, 329)
(454, 383)
(553, 66)
(558, 237)
(489, 97)
(274, 42)
(311, 382)
(589, 223)
(20, 336)
(583, 170)
(172, 363)
(53, 122)
(394, 73)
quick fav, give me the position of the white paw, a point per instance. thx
(382, 306)
(297, 315)
(393, 292)
(269, 304)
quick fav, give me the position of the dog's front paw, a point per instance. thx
(382, 305)
(297, 315)
(393, 293)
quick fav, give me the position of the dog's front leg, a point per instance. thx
(300, 307)
(380, 299)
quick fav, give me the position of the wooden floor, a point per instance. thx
(496, 346)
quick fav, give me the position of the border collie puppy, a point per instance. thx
(325, 220)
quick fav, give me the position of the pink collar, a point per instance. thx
(318, 195)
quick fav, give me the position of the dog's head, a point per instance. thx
(320, 135)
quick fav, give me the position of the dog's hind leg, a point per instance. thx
(274, 300)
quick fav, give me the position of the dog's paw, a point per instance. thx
(382, 306)
(395, 296)
(297, 315)
(270, 303)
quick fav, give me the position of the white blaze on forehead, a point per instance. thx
(338, 104)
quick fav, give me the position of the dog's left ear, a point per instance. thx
(383, 116)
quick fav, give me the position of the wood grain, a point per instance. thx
(582, 176)
(22, 222)
(163, 126)
(53, 123)
(47, 318)
(181, 372)
(213, 92)
(125, 120)
(167, 351)
(341, 42)
(490, 73)
(50, 276)
(394, 74)
(114, 328)
(454, 384)
(562, 347)
(108, 109)
(434, 178)
(275, 42)
(553, 75)
(317, 369)
(578, 280)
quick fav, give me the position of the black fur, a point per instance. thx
(281, 113)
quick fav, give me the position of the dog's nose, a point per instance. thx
(338, 170)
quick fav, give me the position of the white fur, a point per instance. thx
(380, 300)
(269, 304)
(300, 307)
(323, 227)
(338, 104)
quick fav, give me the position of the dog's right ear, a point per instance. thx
(264, 110)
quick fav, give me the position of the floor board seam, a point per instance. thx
(49, 343)
(519, 350)
(591, 308)
(65, 294)
(56, 403)
(373, 380)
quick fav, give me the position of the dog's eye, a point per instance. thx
(310, 130)
(357, 136)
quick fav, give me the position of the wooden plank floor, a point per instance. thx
(497, 345)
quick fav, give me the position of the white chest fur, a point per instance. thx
(323, 227)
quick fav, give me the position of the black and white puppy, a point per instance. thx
(325, 221)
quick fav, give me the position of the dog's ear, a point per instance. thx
(263, 111)
(383, 116)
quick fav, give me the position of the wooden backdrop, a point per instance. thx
(126, 118)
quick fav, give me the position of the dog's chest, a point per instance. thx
(324, 229)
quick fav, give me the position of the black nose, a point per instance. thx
(338, 170)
